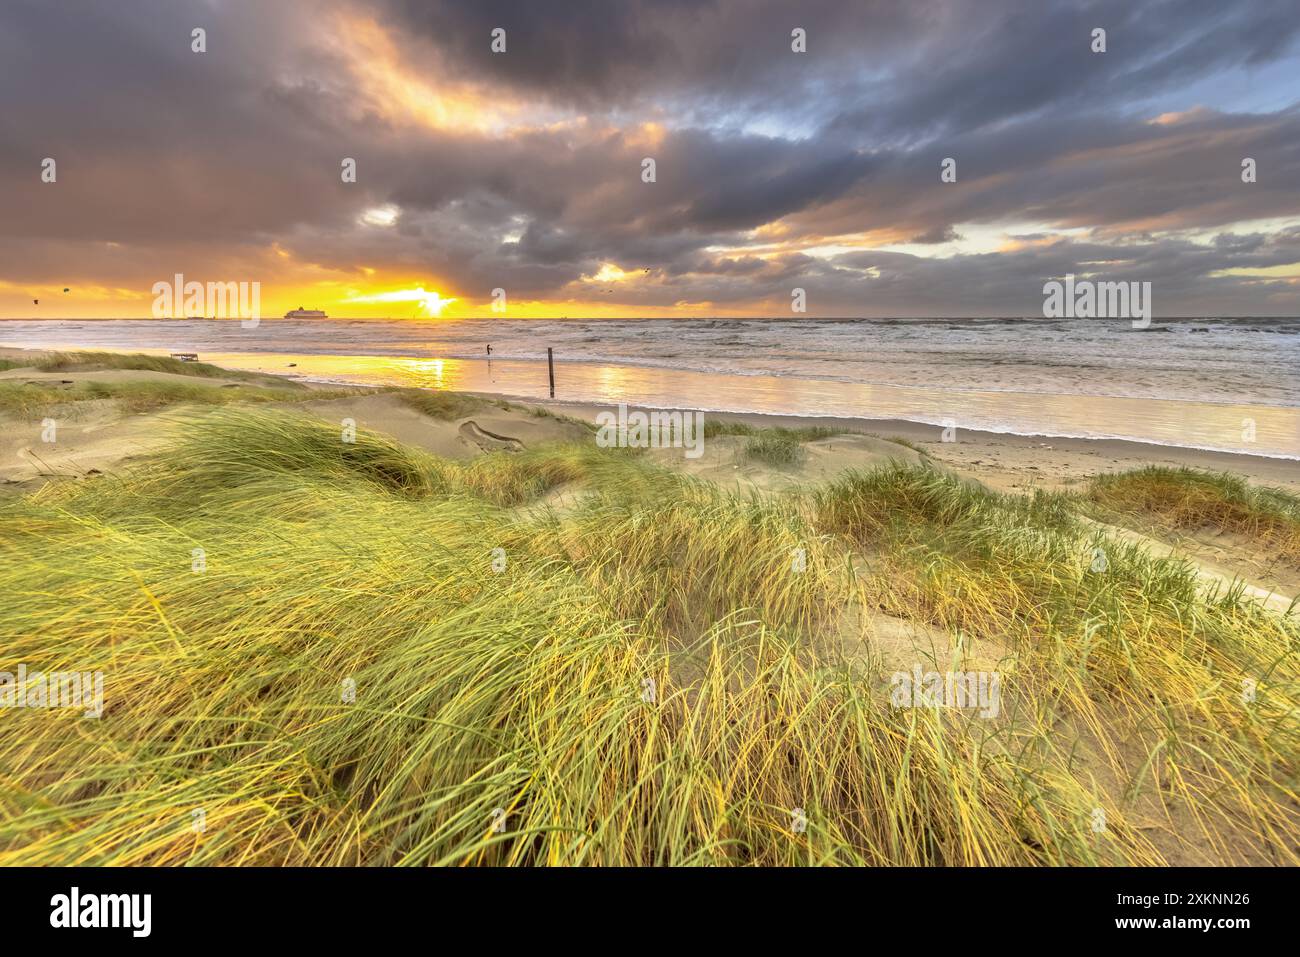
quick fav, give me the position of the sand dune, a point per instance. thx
(969, 581)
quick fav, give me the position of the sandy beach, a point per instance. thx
(908, 551)
(1226, 385)
(1022, 462)
(1001, 460)
(99, 439)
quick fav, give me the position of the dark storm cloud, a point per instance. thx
(936, 235)
(167, 156)
(908, 70)
(1022, 59)
(751, 198)
(1107, 174)
(712, 54)
(152, 140)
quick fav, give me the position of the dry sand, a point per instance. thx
(95, 436)
(1018, 462)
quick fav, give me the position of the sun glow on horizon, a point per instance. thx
(427, 302)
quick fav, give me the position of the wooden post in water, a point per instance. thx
(550, 367)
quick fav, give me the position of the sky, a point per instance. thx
(524, 170)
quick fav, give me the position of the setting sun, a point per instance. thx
(425, 302)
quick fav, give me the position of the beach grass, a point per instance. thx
(807, 433)
(778, 446)
(782, 446)
(391, 658)
(1145, 660)
(35, 400)
(775, 447)
(138, 361)
(1194, 500)
(447, 406)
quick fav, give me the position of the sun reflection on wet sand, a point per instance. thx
(1170, 422)
(433, 368)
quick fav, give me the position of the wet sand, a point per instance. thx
(1005, 406)
(1003, 461)
(1253, 429)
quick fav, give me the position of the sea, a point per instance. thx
(1229, 384)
